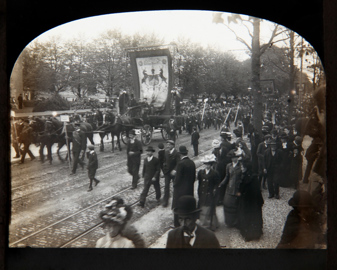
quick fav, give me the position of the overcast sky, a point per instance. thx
(170, 25)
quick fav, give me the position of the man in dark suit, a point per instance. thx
(151, 172)
(92, 166)
(183, 184)
(261, 148)
(26, 138)
(195, 141)
(134, 150)
(171, 159)
(79, 145)
(272, 163)
(189, 234)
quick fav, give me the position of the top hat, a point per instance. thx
(186, 205)
(301, 198)
(170, 142)
(183, 150)
(150, 148)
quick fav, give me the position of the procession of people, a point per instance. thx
(233, 176)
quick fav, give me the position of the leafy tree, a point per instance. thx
(252, 26)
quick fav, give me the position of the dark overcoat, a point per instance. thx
(183, 183)
(204, 239)
(170, 161)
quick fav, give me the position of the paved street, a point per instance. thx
(50, 208)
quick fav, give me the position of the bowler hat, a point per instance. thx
(170, 142)
(183, 150)
(150, 148)
(301, 198)
(186, 205)
(132, 132)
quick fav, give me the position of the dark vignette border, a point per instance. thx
(21, 21)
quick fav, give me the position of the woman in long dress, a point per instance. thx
(251, 202)
(232, 184)
(209, 180)
(118, 234)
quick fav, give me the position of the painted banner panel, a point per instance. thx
(153, 78)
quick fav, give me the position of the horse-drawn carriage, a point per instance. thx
(146, 123)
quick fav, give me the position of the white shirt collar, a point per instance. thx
(149, 158)
(193, 235)
(171, 151)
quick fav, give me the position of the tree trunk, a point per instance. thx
(291, 78)
(258, 106)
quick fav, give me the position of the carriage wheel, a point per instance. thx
(146, 134)
(164, 134)
(124, 137)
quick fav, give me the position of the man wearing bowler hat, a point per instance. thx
(171, 159)
(189, 234)
(151, 172)
(134, 150)
(183, 184)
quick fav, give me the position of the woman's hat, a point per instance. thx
(91, 147)
(216, 144)
(150, 148)
(234, 153)
(186, 205)
(209, 159)
(301, 198)
(171, 142)
(183, 150)
(116, 212)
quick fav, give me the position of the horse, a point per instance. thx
(64, 134)
(115, 127)
(46, 137)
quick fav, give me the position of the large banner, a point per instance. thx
(152, 74)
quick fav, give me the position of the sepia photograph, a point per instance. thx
(189, 129)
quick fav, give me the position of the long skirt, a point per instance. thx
(231, 206)
(208, 219)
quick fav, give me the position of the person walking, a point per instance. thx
(25, 138)
(92, 166)
(208, 181)
(231, 184)
(151, 173)
(161, 155)
(79, 145)
(189, 234)
(183, 183)
(251, 202)
(223, 160)
(134, 150)
(20, 101)
(118, 232)
(272, 165)
(261, 148)
(171, 159)
(195, 141)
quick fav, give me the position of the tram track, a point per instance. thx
(48, 227)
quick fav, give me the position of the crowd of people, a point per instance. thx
(233, 176)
